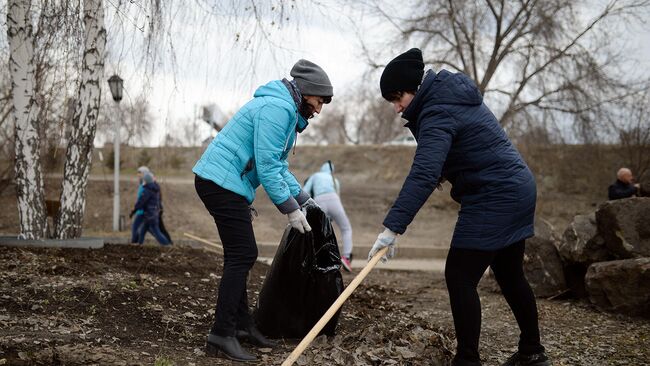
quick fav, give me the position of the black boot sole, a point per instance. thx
(214, 351)
(253, 342)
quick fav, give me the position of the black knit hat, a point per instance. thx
(403, 73)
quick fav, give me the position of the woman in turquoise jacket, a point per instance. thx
(252, 149)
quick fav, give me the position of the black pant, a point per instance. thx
(463, 271)
(232, 215)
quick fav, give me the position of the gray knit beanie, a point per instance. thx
(312, 79)
(148, 177)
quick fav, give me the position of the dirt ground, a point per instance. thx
(132, 305)
(366, 203)
(570, 181)
(143, 305)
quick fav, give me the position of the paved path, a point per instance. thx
(426, 265)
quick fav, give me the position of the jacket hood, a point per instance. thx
(153, 186)
(325, 168)
(443, 88)
(277, 89)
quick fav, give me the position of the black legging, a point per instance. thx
(232, 215)
(463, 271)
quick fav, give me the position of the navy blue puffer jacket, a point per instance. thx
(149, 202)
(460, 140)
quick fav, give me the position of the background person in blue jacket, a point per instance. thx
(149, 203)
(137, 216)
(326, 189)
(460, 140)
(251, 150)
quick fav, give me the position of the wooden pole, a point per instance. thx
(334, 308)
(201, 240)
(214, 245)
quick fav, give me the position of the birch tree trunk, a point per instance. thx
(29, 176)
(84, 124)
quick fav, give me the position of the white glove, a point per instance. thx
(309, 203)
(385, 239)
(298, 221)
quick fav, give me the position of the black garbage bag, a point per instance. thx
(303, 281)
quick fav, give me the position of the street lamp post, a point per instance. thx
(116, 84)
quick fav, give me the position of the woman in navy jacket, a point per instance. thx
(461, 141)
(149, 203)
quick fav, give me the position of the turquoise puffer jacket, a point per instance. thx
(322, 182)
(252, 149)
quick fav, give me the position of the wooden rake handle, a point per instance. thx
(201, 240)
(334, 308)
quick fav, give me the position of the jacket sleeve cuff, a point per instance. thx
(302, 197)
(394, 227)
(288, 206)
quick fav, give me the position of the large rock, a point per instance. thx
(644, 190)
(625, 226)
(545, 230)
(581, 244)
(542, 263)
(621, 286)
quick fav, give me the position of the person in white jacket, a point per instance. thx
(325, 190)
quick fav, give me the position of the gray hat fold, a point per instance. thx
(311, 79)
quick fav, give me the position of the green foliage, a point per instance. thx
(144, 159)
(110, 160)
(175, 161)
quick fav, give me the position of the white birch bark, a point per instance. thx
(84, 124)
(29, 177)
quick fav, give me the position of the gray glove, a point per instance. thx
(386, 239)
(298, 221)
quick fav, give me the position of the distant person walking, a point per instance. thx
(460, 140)
(325, 189)
(624, 186)
(149, 202)
(138, 216)
(250, 150)
(161, 223)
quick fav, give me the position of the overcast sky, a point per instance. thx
(207, 64)
(211, 67)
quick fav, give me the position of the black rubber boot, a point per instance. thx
(518, 359)
(227, 346)
(253, 336)
(458, 362)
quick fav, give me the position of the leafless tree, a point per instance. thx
(7, 152)
(362, 117)
(379, 123)
(136, 119)
(330, 128)
(69, 219)
(26, 110)
(633, 128)
(56, 64)
(528, 58)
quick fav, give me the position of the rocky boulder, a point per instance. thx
(625, 226)
(542, 263)
(644, 190)
(620, 286)
(581, 244)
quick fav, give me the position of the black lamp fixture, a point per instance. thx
(116, 83)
